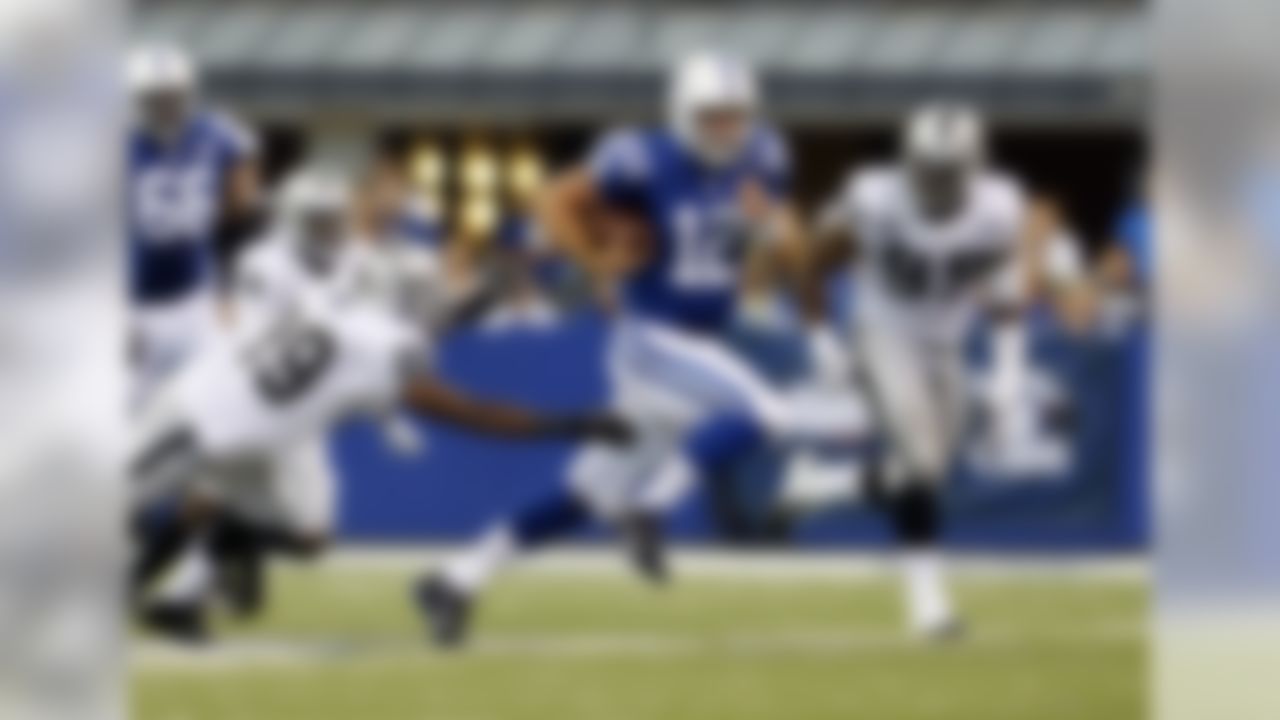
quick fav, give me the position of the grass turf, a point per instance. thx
(345, 644)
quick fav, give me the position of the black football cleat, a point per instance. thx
(183, 623)
(446, 610)
(646, 546)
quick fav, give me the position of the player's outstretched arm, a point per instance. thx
(565, 209)
(432, 398)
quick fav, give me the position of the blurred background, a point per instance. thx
(477, 102)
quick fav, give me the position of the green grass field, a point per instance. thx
(342, 643)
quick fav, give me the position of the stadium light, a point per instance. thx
(525, 171)
(429, 167)
(478, 216)
(479, 169)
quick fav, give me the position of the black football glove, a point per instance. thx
(604, 428)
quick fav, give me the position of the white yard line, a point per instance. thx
(766, 565)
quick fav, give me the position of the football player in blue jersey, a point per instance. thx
(192, 183)
(191, 192)
(668, 216)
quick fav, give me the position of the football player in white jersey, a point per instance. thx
(299, 263)
(937, 240)
(310, 345)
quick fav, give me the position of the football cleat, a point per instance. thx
(446, 610)
(646, 546)
(184, 623)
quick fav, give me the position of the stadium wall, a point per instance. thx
(461, 482)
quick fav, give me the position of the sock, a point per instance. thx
(917, 514)
(161, 536)
(917, 520)
(471, 571)
(239, 552)
(189, 581)
(928, 598)
(541, 522)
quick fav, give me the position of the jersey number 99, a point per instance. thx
(289, 360)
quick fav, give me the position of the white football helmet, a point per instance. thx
(312, 212)
(944, 146)
(704, 84)
(162, 82)
(159, 68)
(945, 134)
(313, 190)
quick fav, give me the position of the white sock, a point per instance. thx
(928, 598)
(669, 486)
(472, 570)
(189, 581)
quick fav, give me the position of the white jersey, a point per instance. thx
(923, 277)
(303, 353)
(266, 385)
(271, 277)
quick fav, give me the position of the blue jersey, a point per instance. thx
(692, 274)
(174, 195)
